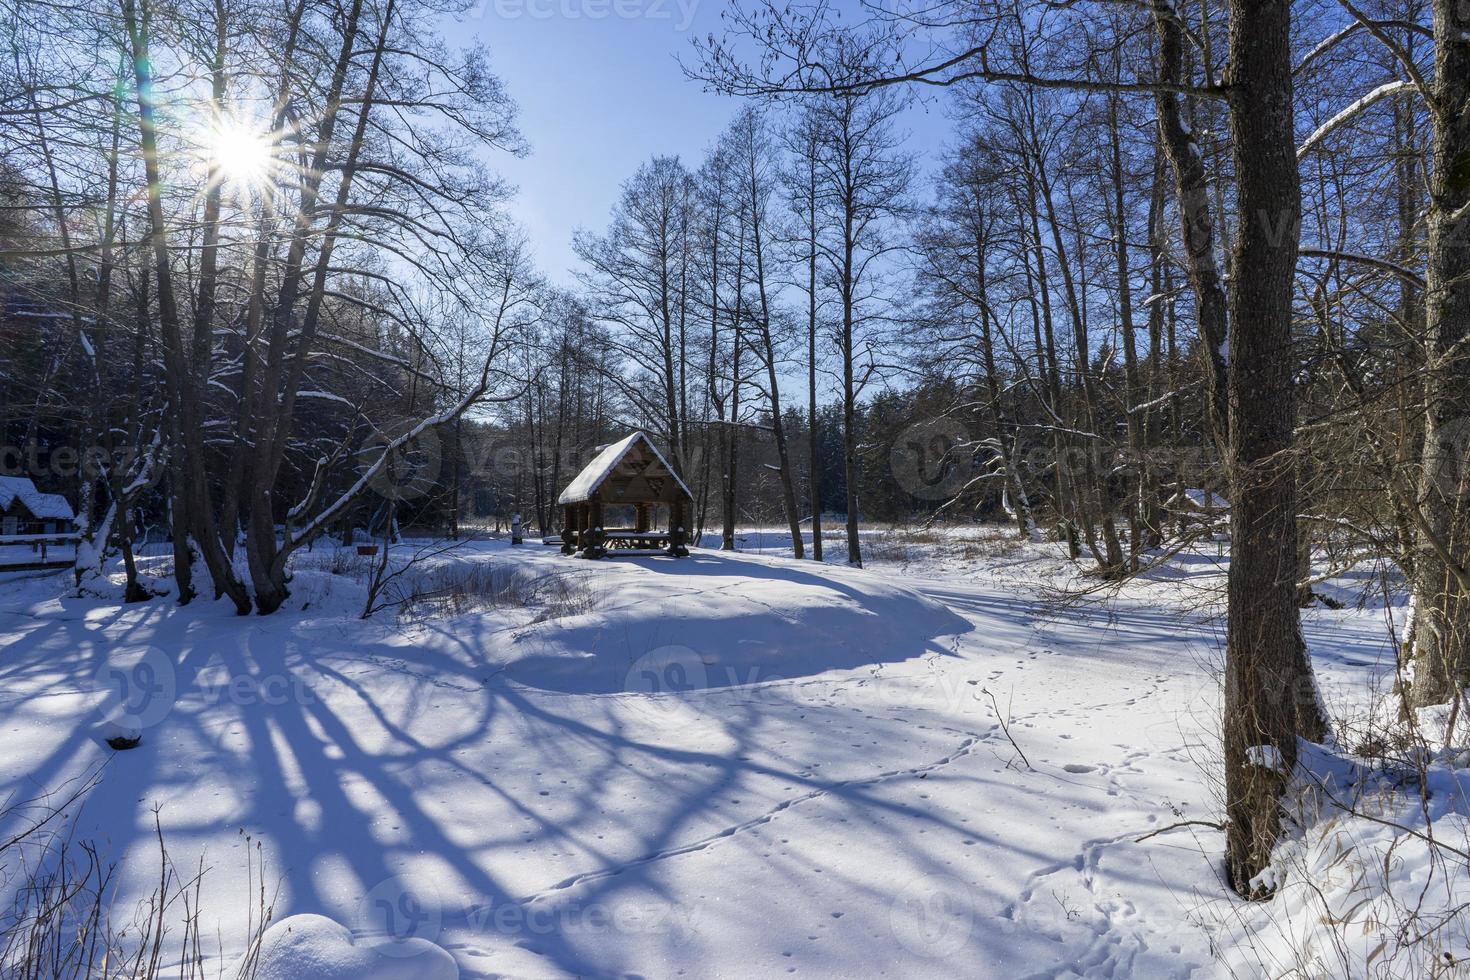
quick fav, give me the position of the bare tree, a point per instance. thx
(862, 180)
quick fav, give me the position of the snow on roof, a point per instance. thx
(602, 465)
(1201, 500)
(43, 506)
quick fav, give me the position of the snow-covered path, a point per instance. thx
(826, 791)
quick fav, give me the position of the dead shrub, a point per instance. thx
(463, 587)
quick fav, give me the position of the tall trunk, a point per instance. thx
(778, 424)
(1159, 382)
(1270, 692)
(1191, 189)
(849, 391)
(189, 483)
(237, 481)
(1089, 494)
(717, 215)
(1138, 467)
(1042, 323)
(814, 479)
(1004, 437)
(1441, 654)
(729, 503)
(282, 378)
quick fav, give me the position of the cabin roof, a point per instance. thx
(42, 506)
(595, 473)
(1193, 499)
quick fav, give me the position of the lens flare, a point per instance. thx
(240, 152)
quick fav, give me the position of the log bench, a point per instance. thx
(639, 540)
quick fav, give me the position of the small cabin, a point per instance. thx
(1199, 508)
(26, 511)
(622, 498)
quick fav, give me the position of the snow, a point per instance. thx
(312, 947)
(1203, 500)
(42, 506)
(1352, 110)
(602, 465)
(725, 765)
(1375, 885)
(1265, 757)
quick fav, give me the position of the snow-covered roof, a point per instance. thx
(1201, 500)
(596, 472)
(42, 506)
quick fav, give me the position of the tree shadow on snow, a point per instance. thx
(378, 769)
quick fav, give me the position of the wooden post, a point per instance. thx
(641, 510)
(678, 534)
(568, 529)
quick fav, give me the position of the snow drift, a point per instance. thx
(313, 947)
(725, 620)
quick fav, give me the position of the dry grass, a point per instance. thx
(968, 543)
(61, 920)
(465, 587)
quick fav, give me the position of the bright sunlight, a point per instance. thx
(242, 151)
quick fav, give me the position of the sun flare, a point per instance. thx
(241, 152)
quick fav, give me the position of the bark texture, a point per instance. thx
(1441, 651)
(1270, 693)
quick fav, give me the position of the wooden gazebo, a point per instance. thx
(632, 477)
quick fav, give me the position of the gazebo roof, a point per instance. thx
(609, 463)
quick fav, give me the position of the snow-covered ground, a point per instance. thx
(726, 765)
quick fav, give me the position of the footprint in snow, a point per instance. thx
(1078, 767)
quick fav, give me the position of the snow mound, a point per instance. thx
(313, 947)
(727, 620)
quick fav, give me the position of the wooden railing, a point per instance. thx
(39, 544)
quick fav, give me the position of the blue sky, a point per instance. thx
(600, 91)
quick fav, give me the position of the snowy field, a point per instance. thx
(727, 765)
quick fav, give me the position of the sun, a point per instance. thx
(241, 152)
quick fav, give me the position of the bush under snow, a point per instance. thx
(313, 947)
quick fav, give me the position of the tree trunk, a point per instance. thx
(1137, 468)
(1191, 190)
(849, 400)
(778, 424)
(1441, 654)
(1270, 692)
(189, 485)
(814, 478)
